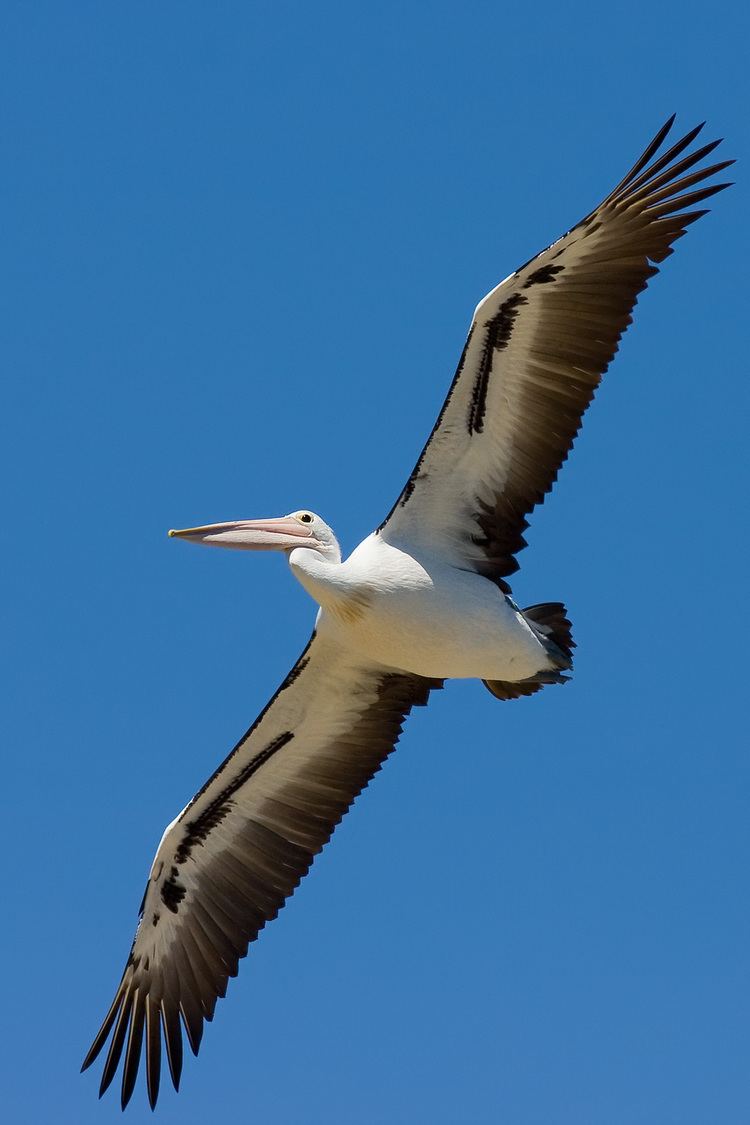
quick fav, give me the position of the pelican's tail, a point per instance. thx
(550, 622)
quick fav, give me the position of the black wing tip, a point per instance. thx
(662, 171)
(722, 165)
(664, 131)
(688, 138)
(693, 133)
(104, 1085)
(124, 1020)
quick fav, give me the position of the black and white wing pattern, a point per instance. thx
(538, 346)
(228, 862)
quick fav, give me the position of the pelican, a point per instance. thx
(422, 599)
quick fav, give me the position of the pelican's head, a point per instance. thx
(286, 533)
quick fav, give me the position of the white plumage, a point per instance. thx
(410, 609)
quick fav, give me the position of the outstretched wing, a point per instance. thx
(538, 346)
(228, 862)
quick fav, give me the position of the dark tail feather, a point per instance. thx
(550, 623)
(507, 689)
(504, 689)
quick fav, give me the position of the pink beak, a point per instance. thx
(282, 534)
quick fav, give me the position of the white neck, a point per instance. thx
(321, 575)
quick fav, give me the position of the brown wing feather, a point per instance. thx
(236, 853)
(536, 352)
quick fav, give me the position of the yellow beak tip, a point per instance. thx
(171, 533)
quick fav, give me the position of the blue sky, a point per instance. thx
(242, 243)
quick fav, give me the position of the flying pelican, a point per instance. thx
(423, 599)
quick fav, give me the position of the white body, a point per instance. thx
(419, 614)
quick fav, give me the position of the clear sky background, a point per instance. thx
(241, 245)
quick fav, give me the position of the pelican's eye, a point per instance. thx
(305, 517)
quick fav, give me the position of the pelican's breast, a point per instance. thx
(349, 607)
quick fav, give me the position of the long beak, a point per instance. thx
(282, 534)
